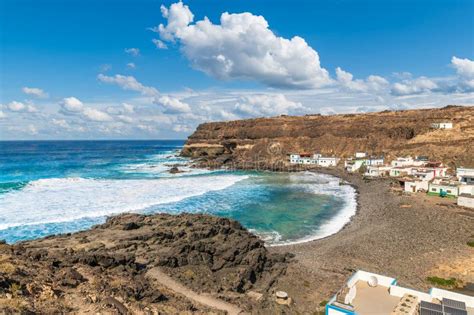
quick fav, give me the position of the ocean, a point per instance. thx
(53, 187)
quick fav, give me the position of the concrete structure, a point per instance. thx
(442, 125)
(466, 200)
(368, 293)
(466, 189)
(443, 188)
(374, 161)
(352, 166)
(315, 159)
(360, 155)
(401, 171)
(465, 175)
(377, 171)
(327, 161)
(413, 185)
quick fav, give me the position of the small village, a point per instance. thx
(414, 174)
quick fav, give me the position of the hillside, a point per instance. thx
(242, 143)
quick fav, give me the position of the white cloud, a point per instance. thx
(131, 65)
(71, 104)
(125, 119)
(133, 51)
(373, 83)
(415, 86)
(35, 92)
(465, 70)
(2, 114)
(128, 108)
(159, 44)
(266, 105)
(16, 106)
(128, 83)
(243, 47)
(61, 123)
(172, 105)
(95, 114)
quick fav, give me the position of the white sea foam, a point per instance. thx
(68, 199)
(326, 185)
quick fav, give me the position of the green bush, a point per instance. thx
(451, 282)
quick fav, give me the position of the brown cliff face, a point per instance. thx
(391, 133)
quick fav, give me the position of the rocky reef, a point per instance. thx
(108, 267)
(265, 142)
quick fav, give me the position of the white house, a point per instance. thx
(465, 175)
(327, 161)
(413, 185)
(315, 159)
(371, 293)
(401, 171)
(442, 125)
(402, 161)
(374, 161)
(439, 187)
(378, 171)
(466, 189)
(360, 155)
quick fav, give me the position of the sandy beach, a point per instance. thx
(407, 237)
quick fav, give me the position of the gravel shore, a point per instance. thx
(409, 237)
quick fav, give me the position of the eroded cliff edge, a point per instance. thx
(109, 267)
(243, 143)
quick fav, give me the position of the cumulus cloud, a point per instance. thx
(34, 92)
(71, 104)
(415, 86)
(266, 105)
(95, 114)
(15, 106)
(131, 65)
(159, 44)
(242, 46)
(372, 83)
(133, 51)
(128, 83)
(465, 70)
(172, 105)
(61, 123)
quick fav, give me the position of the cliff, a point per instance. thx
(268, 141)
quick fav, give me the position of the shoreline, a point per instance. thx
(407, 237)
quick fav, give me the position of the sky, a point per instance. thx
(150, 69)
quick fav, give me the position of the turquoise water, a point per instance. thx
(58, 187)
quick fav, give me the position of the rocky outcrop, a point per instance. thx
(265, 142)
(106, 267)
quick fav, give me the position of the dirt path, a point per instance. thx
(190, 294)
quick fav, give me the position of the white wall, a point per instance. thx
(440, 294)
(400, 291)
(466, 202)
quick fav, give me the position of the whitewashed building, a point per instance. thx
(327, 161)
(374, 161)
(414, 185)
(442, 125)
(360, 155)
(370, 293)
(443, 188)
(401, 171)
(378, 171)
(315, 159)
(352, 166)
(465, 175)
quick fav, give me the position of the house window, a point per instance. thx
(448, 191)
(433, 189)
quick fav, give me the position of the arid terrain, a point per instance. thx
(267, 141)
(124, 266)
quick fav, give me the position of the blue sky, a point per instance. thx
(390, 54)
